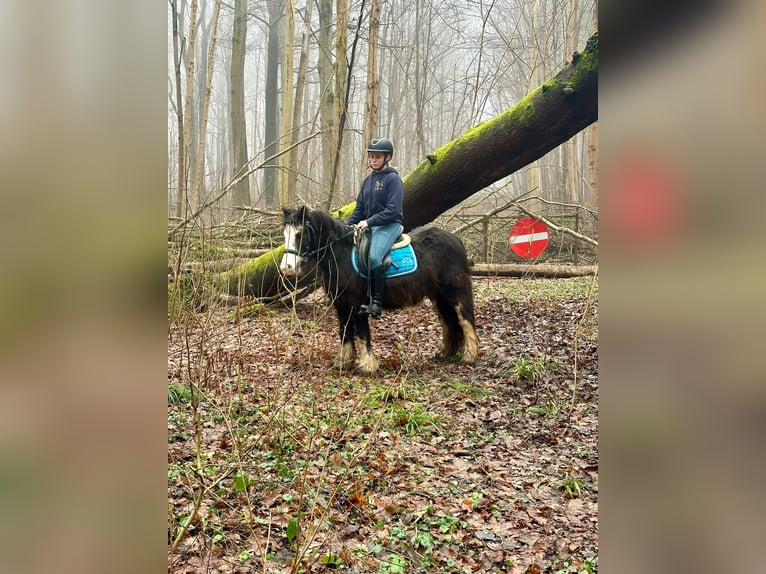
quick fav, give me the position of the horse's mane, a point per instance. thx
(337, 230)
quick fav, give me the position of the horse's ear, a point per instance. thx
(302, 211)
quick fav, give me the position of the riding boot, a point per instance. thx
(377, 288)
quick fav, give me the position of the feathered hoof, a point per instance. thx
(362, 372)
(340, 364)
(367, 364)
(445, 358)
(459, 357)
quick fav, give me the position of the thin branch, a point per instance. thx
(228, 187)
(517, 203)
(590, 210)
(482, 217)
(558, 228)
(257, 210)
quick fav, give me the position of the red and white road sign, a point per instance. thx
(528, 237)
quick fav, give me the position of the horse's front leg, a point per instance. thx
(368, 364)
(346, 324)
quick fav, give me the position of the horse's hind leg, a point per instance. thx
(452, 333)
(458, 329)
(468, 325)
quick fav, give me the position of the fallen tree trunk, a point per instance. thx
(541, 121)
(544, 119)
(523, 270)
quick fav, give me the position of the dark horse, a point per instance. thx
(442, 276)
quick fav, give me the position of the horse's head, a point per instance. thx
(298, 239)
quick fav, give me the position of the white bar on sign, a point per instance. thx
(530, 237)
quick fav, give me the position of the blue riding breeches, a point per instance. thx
(383, 237)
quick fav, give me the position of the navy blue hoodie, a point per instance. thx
(380, 199)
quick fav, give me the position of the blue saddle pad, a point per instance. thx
(400, 261)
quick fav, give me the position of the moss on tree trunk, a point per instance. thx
(260, 277)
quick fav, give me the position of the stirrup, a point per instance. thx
(372, 310)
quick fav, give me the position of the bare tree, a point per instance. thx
(422, 52)
(181, 200)
(189, 203)
(198, 176)
(288, 84)
(372, 95)
(327, 94)
(593, 142)
(570, 161)
(300, 89)
(237, 102)
(484, 18)
(271, 107)
(339, 101)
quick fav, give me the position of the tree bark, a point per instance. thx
(373, 84)
(300, 87)
(198, 172)
(523, 270)
(542, 120)
(184, 197)
(327, 91)
(181, 193)
(288, 81)
(237, 102)
(340, 100)
(271, 106)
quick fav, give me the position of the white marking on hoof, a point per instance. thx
(470, 340)
(346, 358)
(368, 364)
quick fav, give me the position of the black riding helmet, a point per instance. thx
(381, 144)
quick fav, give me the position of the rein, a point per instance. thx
(310, 254)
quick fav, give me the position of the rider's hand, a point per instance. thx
(362, 225)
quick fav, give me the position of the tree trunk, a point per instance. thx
(237, 103)
(542, 120)
(189, 98)
(523, 270)
(198, 172)
(593, 146)
(300, 88)
(327, 91)
(341, 70)
(197, 188)
(373, 84)
(288, 81)
(271, 111)
(181, 193)
(570, 163)
(593, 164)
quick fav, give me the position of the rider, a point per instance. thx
(379, 207)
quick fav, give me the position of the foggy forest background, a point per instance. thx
(272, 102)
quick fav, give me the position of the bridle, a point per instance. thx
(310, 254)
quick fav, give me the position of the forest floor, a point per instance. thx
(277, 463)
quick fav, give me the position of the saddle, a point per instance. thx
(400, 260)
